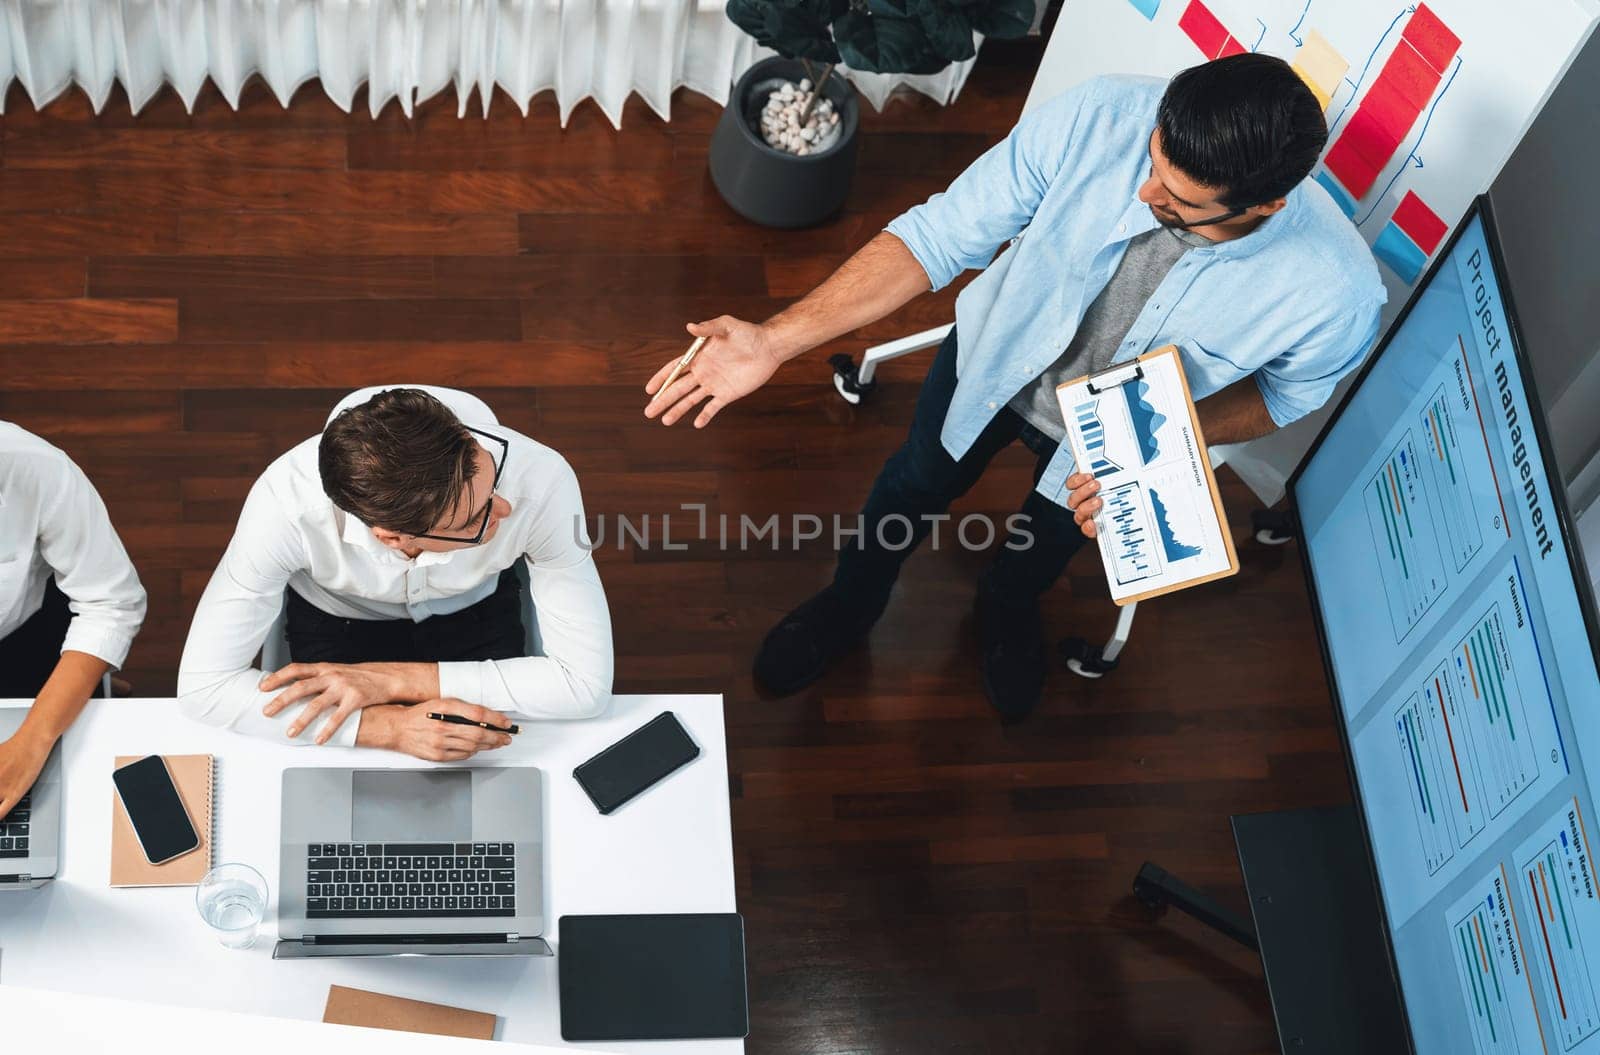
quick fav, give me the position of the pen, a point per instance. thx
(688, 357)
(456, 719)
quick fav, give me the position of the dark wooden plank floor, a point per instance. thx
(184, 296)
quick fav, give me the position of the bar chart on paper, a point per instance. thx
(1132, 540)
(1087, 415)
(1556, 883)
(1491, 969)
(1411, 565)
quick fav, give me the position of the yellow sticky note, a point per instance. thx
(1320, 66)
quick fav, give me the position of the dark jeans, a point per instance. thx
(921, 479)
(29, 654)
(490, 629)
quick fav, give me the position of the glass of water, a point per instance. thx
(232, 899)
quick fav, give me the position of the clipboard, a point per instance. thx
(1162, 526)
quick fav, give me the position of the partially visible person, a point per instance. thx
(1139, 214)
(389, 544)
(70, 600)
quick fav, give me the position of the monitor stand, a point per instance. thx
(1316, 927)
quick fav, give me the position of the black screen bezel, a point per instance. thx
(1481, 209)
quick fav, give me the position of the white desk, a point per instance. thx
(670, 850)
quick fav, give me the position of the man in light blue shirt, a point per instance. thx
(1140, 214)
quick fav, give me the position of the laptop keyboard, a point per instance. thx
(14, 829)
(410, 880)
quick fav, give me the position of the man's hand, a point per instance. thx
(21, 759)
(737, 358)
(408, 729)
(340, 690)
(1082, 488)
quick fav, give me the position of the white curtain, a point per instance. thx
(405, 50)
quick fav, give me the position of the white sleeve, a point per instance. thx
(572, 679)
(91, 566)
(217, 680)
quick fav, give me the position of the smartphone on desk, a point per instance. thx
(155, 809)
(637, 761)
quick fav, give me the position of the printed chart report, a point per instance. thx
(1132, 427)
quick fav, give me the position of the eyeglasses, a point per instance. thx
(483, 520)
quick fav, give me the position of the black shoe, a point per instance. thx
(809, 639)
(1011, 661)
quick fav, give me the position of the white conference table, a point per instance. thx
(670, 850)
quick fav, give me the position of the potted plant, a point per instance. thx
(784, 150)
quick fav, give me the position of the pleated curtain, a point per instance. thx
(403, 50)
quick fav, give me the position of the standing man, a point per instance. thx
(1140, 215)
(390, 544)
(70, 601)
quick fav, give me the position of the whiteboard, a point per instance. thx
(1485, 94)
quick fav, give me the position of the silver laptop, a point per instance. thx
(30, 836)
(411, 862)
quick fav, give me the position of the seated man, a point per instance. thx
(70, 601)
(389, 543)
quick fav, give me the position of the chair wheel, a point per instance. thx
(846, 379)
(1084, 659)
(1273, 528)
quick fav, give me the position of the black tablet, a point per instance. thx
(670, 977)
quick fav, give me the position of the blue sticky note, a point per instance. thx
(1403, 256)
(1340, 198)
(1147, 8)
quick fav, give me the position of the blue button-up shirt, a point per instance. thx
(1294, 303)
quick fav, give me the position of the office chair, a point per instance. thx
(275, 649)
(855, 382)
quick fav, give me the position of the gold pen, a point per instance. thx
(688, 357)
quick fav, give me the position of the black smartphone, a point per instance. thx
(637, 761)
(153, 806)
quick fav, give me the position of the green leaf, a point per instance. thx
(795, 29)
(879, 44)
(1002, 19)
(947, 29)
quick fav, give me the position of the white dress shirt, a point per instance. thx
(290, 535)
(52, 522)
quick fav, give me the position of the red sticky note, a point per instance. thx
(1232, 47)
(1432, 38)
(1419, 222)
(1350, 168)
(1392, 112)
(1370, 139)
(1208, 34)
(1409, 76)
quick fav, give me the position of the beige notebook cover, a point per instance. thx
(358, 1007)
(194, 775)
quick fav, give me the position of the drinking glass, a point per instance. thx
(232, 899)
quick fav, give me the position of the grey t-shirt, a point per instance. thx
(1148, 258)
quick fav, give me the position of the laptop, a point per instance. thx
(30, 835)
(411, 862)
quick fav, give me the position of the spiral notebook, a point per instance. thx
(195, 777)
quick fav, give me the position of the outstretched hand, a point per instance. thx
(737, 359)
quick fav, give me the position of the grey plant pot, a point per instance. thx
(771, 187)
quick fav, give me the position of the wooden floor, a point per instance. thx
(182, 297)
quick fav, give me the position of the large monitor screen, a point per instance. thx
(1458, 635)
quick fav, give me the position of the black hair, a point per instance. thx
(1247, 125)
(398, 461)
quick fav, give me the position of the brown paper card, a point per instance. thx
(193, 776)
(358, 1007)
